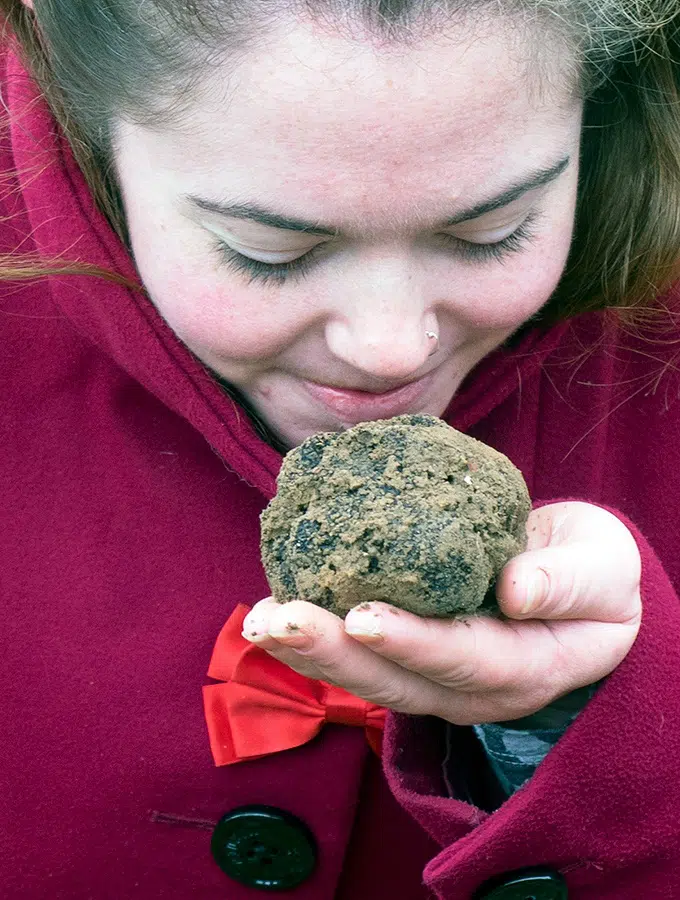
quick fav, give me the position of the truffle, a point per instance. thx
(406, 510)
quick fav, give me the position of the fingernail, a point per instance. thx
(363, 623)
(536, 590)
(255, 626)
(292, 635)
(254, 638)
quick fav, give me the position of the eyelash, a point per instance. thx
(265, 272)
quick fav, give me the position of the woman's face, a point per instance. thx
(328, 204)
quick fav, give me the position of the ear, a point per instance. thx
(28, 3)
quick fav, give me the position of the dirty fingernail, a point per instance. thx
(292, 635)
(363, 623)
(254, 626)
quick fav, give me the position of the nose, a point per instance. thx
(386, 330)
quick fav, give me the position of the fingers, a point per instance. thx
(576, 588)
(480, 654)
(472, 655)
(582, 563)
(464, 671)
(323, 650)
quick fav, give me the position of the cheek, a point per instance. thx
(509, 293)
(208, 308)
(208, 314)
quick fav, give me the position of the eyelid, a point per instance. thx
(468, 232)
(510, 216)
(247, 247)
(489, 235)
(273, 257)
(298, 268)
(284, 257)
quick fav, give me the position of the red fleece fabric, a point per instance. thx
(131, 487)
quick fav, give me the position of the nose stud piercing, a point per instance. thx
(431, 336)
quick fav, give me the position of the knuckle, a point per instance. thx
(396, 696)
(463, 676)
(395, 700)
(464, 670)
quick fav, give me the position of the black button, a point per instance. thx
(540, 883)
(264, 847)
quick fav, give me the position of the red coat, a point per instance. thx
(131, 488)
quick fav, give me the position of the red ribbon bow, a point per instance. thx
(263, 706)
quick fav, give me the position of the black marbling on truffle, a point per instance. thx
(405, 510)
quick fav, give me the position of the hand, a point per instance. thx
(573, 608)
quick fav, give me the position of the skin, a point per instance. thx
(384, 146)
(333, 132)
(574, 608)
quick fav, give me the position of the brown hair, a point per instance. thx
(104, 58)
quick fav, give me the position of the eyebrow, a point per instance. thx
(255, 213)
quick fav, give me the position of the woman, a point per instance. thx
(252, 224)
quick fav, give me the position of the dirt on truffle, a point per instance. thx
(405, 510)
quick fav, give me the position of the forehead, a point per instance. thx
(317, 119)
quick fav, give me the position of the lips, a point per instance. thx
(353, 406)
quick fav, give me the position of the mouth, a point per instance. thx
(353, 406)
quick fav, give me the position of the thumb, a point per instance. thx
(588, 571)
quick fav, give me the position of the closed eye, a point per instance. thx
(256, 270)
